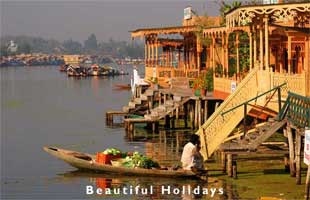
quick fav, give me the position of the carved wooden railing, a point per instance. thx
(294, 82)
(217, 128)
(192, 73)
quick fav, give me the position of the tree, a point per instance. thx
(24, 47)
(72, 47)
(91, 43)
(226, 7)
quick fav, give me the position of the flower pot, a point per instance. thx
(197, 93)
(203, 92)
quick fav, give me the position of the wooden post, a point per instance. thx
(151, 102)
(223, 161)
(131, 127)
(167, 121)
(289, 53)
(297, 154)
(244, 119)
(308, 184)
(255, 46)
(237, 52)
(286, 163)
(185, 115)
(205, 111)
(172, 120)
(199, 113)
(279, 98)
(251, 48)
(192, 116)
(229, 165)
(291, 150)
(266, 43)
(196, 114)
(261, 49)
(234, 166)
(153, 127)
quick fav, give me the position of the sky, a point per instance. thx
(77, 19)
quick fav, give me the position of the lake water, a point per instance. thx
(41, 106)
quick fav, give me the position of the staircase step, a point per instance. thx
(149, 93)
(143, 97)
(126, 109)
(131, 104)
(169, 103)
(177, 98)
(137, 100)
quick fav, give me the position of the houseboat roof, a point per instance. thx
(163, 30)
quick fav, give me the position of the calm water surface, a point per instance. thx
(41, 106)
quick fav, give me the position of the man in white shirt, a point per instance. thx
(189, 151)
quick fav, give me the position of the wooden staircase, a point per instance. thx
(136, 102)
(218, 127)
(168, 108)
(251, 141)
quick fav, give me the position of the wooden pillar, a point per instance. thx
(255, 46)
(289, 53)
(213, 52)
(153, 127)
(234, 166)
(266, 43)
(237, 51)
(223, 161)
(131, 127)
(205, 111)
(185, 115)
(251, 49)
(167, 121)
(170, 57)
(167, 57)
(152, 53)
(145, 51)
(179, 58)
(286, 163)
(229, 165)
(261, 49)
(156, 53)
(196, 113)
(291, 150)
(148, 52)
(172, 120)
(199, 113)
(298, 155)
(226, 50)
(192, 115)
(223, 52)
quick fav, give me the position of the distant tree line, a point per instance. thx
(28, 44)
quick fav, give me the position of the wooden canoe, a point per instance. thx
(122, 86)
(86, 161)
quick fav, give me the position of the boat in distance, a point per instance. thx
(84, 161)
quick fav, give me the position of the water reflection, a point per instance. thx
(164, 147)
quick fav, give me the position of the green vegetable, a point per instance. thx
(112, 151)
(139, 160)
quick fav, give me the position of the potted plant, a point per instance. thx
(154, 82)
(200, 85)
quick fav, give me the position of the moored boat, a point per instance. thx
(122, 86)
(86, 161)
